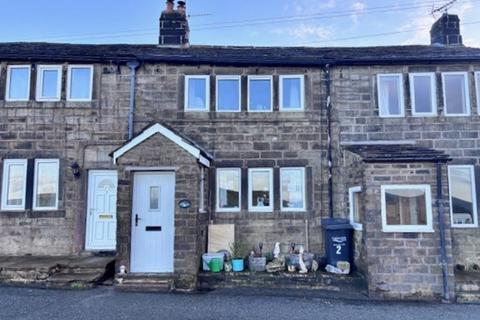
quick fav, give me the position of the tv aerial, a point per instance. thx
(442, 9)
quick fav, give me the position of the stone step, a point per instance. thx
(468, 297)
(145, 283)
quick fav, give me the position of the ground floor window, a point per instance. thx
(228, 189)
(354, 199)
(292, 192)
(260, 190)
(45, 186)
(463, 202)
(14, 184)
(406, 208)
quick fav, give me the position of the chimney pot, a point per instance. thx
(446, 31)
(174, 30)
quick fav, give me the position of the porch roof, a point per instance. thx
(203, 156)
(376, 153)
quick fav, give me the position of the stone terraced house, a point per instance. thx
(138, 148)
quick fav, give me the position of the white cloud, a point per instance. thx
(305, 32)
(301, 6)
(358, 7)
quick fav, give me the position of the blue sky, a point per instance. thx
(240, 22)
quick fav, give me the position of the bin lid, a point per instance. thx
(336, 224)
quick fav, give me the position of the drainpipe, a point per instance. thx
(329, 133)
(133, 65)
(201, 207)
(441, 224)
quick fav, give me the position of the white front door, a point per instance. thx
(101, 233)
(153, 222)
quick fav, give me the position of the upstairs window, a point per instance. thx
(292, 93)
(49, 83)
(390, 95)
(18, 83)
(455, 94)
(260, 190)
(463, 202)
(406, 208)
(292, 192)
(80, 83)
(14, 184)
(45, 187)
(228, 93)
(354, 199)
(477, 85)
(423, 94)
(197, 93)
(260, 94)
(228, 190)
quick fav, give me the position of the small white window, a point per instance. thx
(406, 208)
(292, 93)
(49, 83)
(14, 184)
(456, 99)
(463, 200)
(18, 83)
(260, 93)
(197, 93)
(260, 190)
(229, 189)
(292, 189)
(155, 195)
(390, 95)
(229, 93)
(80, 83)
(45, 186)
(354, 199)
(423, 94)
(477, 85)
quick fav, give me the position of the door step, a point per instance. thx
(467, 287)
(145, 282)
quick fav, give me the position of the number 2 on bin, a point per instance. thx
(339, 249)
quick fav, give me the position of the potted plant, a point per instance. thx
(239, 251)
(257, 262)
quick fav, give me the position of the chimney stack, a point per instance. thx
(174, 30)
(446, 31)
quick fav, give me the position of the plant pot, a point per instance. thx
(238, 265)
(257, 264)
(215, 265)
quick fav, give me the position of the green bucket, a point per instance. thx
(215, 265)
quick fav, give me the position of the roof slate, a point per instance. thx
(251, 56)
(398, 153)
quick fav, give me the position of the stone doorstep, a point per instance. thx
(145, 282)
(467, 287)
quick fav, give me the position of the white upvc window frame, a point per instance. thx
(207, 93)
(477, 89)
(7, 89)
(428, 228)
(474, 197)
(69, 82)
(228, 77)
(304, 198)
(5, 179)
(467, 95)
(217, 191)
(35, 184)
(252, 208)
(401, 95)
(351, 199)
(39, 89)
(301, 77)
(433, 93)
(264, 77)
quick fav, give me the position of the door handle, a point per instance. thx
(136, 220)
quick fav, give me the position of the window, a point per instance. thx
(354, 199)
(228, 93)
(45, 187)
(228, 190)
(292, 192)
(260, 94)
(477, 85)
(154, 198)
(406, 208)
(455, 94)
(18, 83)
(390, 95)
(197, 93)
(463, 202)
(49, 83)
(80, 83)
(260, 190)
(14, 184)
(292, 94)
(423, 94)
